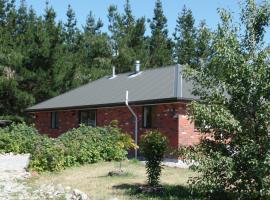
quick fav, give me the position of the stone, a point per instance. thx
(13, 176)
(67, 188)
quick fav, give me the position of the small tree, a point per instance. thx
(153, 147)
(233, 158)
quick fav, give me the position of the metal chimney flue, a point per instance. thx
(113, 71)
(138, 66)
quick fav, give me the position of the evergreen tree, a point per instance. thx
(2, 12)
(11, 19)
(161, 47)
(92, 26)
(202, 43)
(71, 30)
(13, 100)
(95, 50)
(21, 21)
(128, 41)
(185, 37)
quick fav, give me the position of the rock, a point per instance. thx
(79, 195)
(13, 176)
(68, 188)
(117, 173)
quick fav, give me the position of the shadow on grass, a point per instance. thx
(170, 192)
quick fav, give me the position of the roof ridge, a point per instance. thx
(152, 69)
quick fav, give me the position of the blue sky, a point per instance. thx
(202, 9)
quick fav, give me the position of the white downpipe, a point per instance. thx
(136, 124)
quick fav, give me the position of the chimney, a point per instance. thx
(138, 66)
(113, 72)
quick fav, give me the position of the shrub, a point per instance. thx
(49, 155)
(89, 145)
(76, 147)
(18, 138)
(153, 147)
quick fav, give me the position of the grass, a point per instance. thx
(94, 180)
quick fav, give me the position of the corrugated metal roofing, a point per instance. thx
(149, 85)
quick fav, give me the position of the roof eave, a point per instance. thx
(153, 101)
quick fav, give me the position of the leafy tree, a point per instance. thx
(185, 37)
(233, 117)
(161, 47)
(153, 147)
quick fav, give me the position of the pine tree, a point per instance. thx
(2, 12)
(128, 40)
(71, 30)
(11, 19)
(21, 19)
(203, 37)
(93, 27)
(161, 46)
(95, 50)
(185, 37)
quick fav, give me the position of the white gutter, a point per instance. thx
(136, 124)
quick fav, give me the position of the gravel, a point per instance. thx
(13, 184)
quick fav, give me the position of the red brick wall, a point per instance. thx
(169, 118)
(187, 132)
(67, 121)
(164, 118)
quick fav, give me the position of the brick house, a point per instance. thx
(159, 97)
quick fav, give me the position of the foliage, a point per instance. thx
(127, 38)
(160, 46)
(18, 138)
(153, 147)
(76, 147)
(41, 57)
(185, 36)
(233, 114)
(16, 119)
(89, 145)
(48, 155)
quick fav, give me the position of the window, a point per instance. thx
(54, 120)
(88, 117)
(147, 117)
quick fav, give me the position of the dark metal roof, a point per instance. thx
(165, 83)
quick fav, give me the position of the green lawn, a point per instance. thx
(94, 180)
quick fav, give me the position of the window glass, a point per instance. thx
(88, 117)
(54, 120)
(84, 117)
(147, 117)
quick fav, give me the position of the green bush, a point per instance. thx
(18, 138)
(76, 147)
(89, 145)
(153, 147)
(49, 155)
